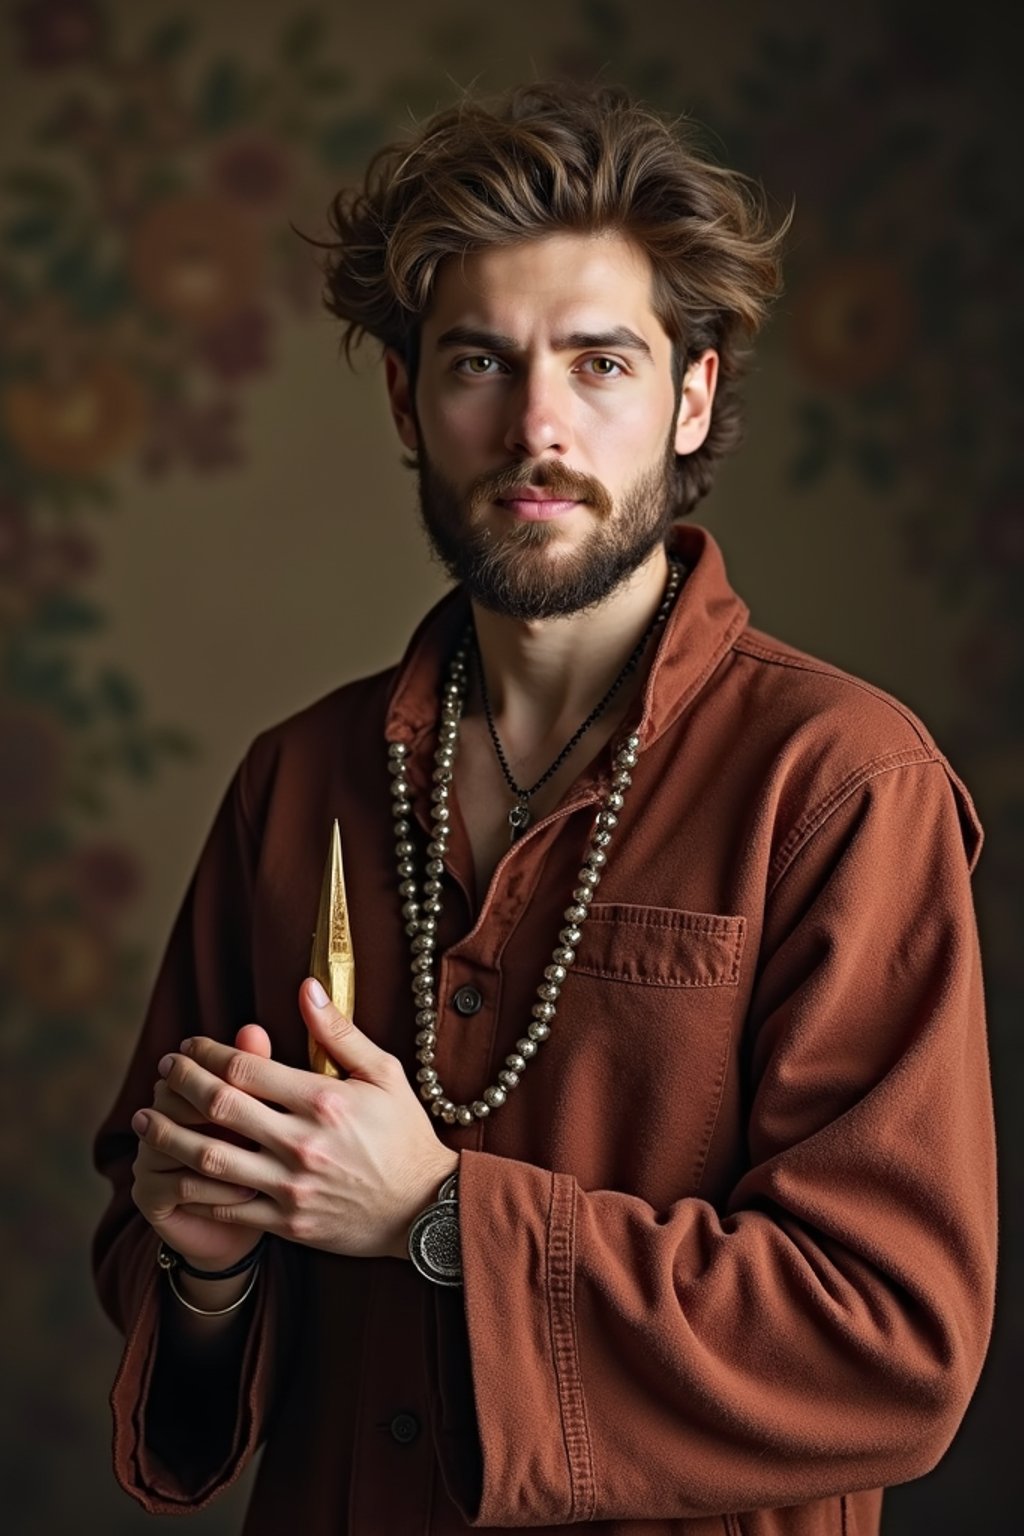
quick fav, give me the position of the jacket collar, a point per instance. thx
(702, 627)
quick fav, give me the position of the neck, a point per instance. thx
(544, 677)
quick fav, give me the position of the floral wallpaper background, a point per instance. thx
(154, 299)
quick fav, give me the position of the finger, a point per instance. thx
(224, 1106)
(260, 1213)
(254, 1039)
(270, 1081)
(207, 1155)
(174, 1106)
(180, 1188)
(344, 1042)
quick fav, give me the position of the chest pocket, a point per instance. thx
(645, 1039)
(660, 946)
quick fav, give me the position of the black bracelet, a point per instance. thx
(170, 1258)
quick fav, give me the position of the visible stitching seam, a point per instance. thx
(813, 819)
(561, 1266)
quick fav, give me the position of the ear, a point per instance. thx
(400, 396)
(694, 420)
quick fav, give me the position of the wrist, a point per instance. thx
(439, 1173)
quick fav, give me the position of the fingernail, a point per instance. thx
(140, 1123)
(186, 1047)
(318, 995)
(164, 1065)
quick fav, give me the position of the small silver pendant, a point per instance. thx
(518, 819)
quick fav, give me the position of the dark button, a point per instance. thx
(467, 1000)
(405, 1427)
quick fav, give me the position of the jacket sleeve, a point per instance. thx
(204, 985)
(824, 1329)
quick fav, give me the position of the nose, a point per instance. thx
(539, 417)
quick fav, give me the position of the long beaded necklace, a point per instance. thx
(519, 815)
(422, 918)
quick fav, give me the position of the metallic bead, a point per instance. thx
(432, 904)
(526, 1047)
(412, 928)
(428, 923)
(588, 876)
(435, 867)
(538, 1031)
(615, 801)
(426, 1055)
(410, 909)
(407, 888)
(556, 973)
(516, 1061)
(422, 966)
(621, 779)
(402, 808)
(442, 775)
(563, 955)
(632, 743)
(508, 1079)
(464, 1115)
(570, 934)
(543, 1010)
(402, 828)
(480, 1109)
(426, 1037)
(429, 1091)
(426, 1018)
(583, 895)
(442, 813)
(406, 868)
(575, 914)
(432, 887)
(549, 990)
(607, 819)
(397, 749)
(626, 760)
(426, 1075)
(449, 1116)
(597, 858)
(404, 849)
(422, 943)
(494, 1096)
(437, 849)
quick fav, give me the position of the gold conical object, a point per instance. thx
(332, 961)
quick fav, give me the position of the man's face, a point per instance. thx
(546, 422)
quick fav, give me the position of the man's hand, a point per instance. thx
(342, 1165)
(178, 1200)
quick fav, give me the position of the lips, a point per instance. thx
(535, 508)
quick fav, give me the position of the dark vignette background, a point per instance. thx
(149, 293)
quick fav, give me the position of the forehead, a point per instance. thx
(561, 281)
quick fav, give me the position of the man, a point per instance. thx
(656, 1193)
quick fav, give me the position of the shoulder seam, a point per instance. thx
(801, 663)
(811, 820)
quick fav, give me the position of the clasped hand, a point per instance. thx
(339, 1164)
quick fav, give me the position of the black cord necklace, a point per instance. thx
(519, 815)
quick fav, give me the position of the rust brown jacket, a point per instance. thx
(729, 1248)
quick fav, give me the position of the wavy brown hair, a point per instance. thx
(550, 158)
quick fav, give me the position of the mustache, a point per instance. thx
(557, 478)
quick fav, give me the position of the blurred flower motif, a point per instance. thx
(853, 323)
(107, 877)
(62, 558)
(78, 425)
(202, 435)
(62, 965)
(239, 345)
(147, 107)
(195, 259)
(31, 764)
(56, 33)
(15, 537)
(1001, 533)
(252, 171)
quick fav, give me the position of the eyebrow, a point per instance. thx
(620, 337)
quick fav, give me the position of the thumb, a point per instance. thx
(342, 1040)
(254, 1039)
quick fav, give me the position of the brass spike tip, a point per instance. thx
(332, 961)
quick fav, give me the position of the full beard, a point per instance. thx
(509, 573)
